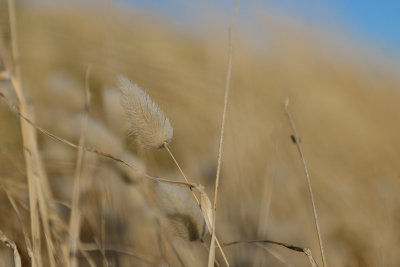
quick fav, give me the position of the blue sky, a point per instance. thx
(376, 19)
(377, 22)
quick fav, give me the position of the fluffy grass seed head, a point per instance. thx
(182, 213)
(148, 122)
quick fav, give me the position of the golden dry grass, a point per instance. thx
(345, 104)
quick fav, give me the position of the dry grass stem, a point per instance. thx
(227, 87)
(266, 198)
(205, 214)
(11, 244)
(44, 210)
(38, 187)
(289, 246)
(88, 258)
(118, 249)
(148, 122)
(306, 251)
(296, 140)
(95, 151)
(102, 250)
(180, 169)
(24, 231)
(14, 39)
(27, 136)
(74, 224)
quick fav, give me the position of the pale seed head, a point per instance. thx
(148, 123)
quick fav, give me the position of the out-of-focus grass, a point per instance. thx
(346, 111)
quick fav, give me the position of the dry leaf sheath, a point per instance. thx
(148, 123)
(206, 208)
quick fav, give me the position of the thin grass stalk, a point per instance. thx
(102, 240)
(295, 139)
(94, 150)
(14, 39)
(43, 194)
(180, 170)
(208, 249)
(88, 258)
(266, 197)
(197, 200)
(265, 208)
(304, 250)
(24, 231)
(102, 251)
(74, 224)
(43, 209)
(118, 249)
(211, 256)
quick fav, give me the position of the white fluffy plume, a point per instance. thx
(148, 122)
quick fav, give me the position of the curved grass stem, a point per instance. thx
(296, 140)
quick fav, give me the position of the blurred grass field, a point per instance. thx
(344, 101)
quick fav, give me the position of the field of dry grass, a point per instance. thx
(345, 102)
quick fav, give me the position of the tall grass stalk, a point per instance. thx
(211, 256)
(74, 223)
(296, 140)
(38, 187)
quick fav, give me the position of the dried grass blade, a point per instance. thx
(11, 244)
(206, 208)
(306, 251)
(74, 224)
(24, 231)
